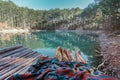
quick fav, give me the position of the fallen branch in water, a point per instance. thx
(102, 64)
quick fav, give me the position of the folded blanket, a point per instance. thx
(52, 69)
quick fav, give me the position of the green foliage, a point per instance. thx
(111, 14)
(23, 17)
(105, 13)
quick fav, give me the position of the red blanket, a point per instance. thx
(52, 69)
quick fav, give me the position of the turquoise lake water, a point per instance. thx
(46, 42)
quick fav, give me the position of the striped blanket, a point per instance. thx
(51, 69)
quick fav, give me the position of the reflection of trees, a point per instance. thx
(67, 40)
(51, 39)
(28, 40)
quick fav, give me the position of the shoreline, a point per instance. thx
(30, 30)
(14, 31)
(109, 49)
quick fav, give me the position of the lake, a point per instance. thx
(46, 42)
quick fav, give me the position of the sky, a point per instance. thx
(48, 4)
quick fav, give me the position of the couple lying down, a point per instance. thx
(62, 67)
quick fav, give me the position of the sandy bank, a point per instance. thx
(14, 31)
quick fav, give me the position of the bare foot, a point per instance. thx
(79, 57)
(64, 55)
(58, 53)
(70, 56)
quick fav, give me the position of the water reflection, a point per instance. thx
(47, 42)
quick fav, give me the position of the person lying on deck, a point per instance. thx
(62, 67)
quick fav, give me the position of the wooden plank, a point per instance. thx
(6, 61)
(16, 69)
(21, 52)
(8, 67)
(10, 57)
(5, 58)
(12, 67)
(12, 52)
(10, 63)
(26, 54)
(15, 60)
(22, 71)
(9, 49)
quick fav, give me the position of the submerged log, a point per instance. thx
(102, 64)
(97, 51)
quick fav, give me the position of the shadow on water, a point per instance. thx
(47, 41)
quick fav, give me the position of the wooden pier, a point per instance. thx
(15, 60)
